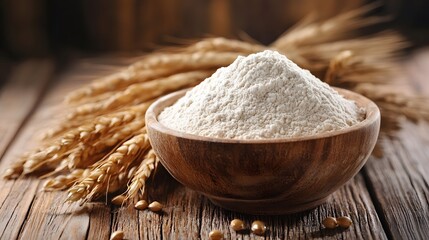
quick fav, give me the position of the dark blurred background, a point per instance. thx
(31, 28)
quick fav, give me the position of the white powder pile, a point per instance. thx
(264, 95)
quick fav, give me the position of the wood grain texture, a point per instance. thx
(17, 197)
(26, 188)
(18, 97)
(189, 215)
(55, 219)
(100, 224)
(397, 183)
(352, 200)
(27, 80)
(126, 219)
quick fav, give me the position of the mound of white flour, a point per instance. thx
(264, 95)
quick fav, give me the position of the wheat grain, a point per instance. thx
(141, 205)
(15, 170)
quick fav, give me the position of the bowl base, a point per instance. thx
(264, 206)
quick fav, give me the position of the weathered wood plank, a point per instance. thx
(400, 183)
(19, 96)
(150, 224)
(182, 215)
(399, 180)
(26, 187)
(15, 206)
(17, 99)
(182, 212)
(99, 226)
(21, 195)
(351, 200)
(51, 218)
(188, 215)
(126, 219)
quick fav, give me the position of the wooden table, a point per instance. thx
(388, 199)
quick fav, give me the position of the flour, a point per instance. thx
(264, 95)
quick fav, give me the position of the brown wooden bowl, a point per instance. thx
(269, 176)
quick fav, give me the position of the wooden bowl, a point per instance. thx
(269, 176)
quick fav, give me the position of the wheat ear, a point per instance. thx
(396, 102)
(50, 157)
(65, 181)
(97, 182)
(144, 171)
(312, 32)
(383, 49)
(109, 120)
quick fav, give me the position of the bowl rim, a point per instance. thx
(372, 114)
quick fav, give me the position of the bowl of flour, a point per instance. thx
(263, 136)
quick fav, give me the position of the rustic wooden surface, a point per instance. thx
(388, 199)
